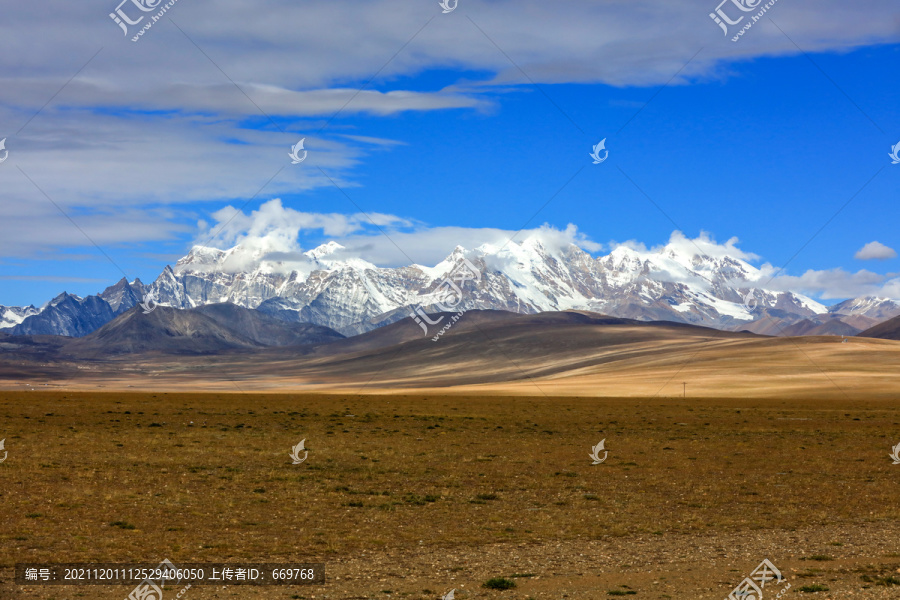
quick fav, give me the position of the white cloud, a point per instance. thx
(275, 231)
(373, 140)
(274, 227)
(127, 179)
(155, 124)
(833, 284)
(53, 278)
(315, 48)
(35, 229)
(311, 59)
(707, 244)
(875, 251)
(826, 284)
(160, 121)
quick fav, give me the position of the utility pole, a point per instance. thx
(684, 385)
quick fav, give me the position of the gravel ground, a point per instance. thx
(667, 566)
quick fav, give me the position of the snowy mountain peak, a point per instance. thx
(199, 257)
(62, 298)
(690, 281)
(868, 306)
(324, 250)
(10, 316)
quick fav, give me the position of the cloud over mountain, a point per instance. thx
(270, 238)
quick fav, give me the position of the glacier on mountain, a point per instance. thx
(690, 281)
(682, 281)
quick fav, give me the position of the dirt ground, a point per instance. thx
(412, 496)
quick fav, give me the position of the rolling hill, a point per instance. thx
(571, 353)
(207, 330)
(888, 330)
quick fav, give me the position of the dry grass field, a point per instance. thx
(559, 354)
(408, 497)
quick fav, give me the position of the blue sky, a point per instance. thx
(753, 139)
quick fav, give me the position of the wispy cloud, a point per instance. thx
(52, 278)
(831, 284)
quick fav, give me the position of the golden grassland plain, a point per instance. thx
(412, 496)
(625, 362)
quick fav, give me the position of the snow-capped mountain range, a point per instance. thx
(685, 281)
(10, 316)
(352, 295)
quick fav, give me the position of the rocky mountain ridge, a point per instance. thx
(685, 281)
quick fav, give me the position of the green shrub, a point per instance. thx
(499, 583)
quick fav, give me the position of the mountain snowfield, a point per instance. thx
(679, 282)
(10, 316)
(690, 281)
